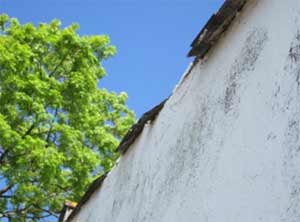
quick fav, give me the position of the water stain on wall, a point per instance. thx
(291, 171)
(294, 58)
(186, 162)
(291, 144)
(245, 62)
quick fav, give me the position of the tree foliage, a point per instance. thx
(58, 130)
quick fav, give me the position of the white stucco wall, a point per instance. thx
(226, 146)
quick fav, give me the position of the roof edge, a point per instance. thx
(92, 188)
(137, 128)
(215, 27)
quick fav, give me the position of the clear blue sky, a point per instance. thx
(152, 38)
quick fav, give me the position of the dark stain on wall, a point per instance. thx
(291, 163)
(245, 62)
(294, 52)
(291, 144)
(120, 186)
(294, 57)
(187, 159)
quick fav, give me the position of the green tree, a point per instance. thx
(58, 130)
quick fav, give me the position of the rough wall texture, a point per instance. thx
(226, 146)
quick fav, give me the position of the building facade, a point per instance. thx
(226, 145)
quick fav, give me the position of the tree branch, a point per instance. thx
(19, 213)
(58, 65)
(6, 196)
(51, 127)
(37, 218)
(11, 213)
(29, 130)
(3, 155)
(7, 188)
(45, 210)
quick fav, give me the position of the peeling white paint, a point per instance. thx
(226, 146)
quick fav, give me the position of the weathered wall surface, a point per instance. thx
(226, 146)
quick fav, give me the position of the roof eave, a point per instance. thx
(215, 27)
